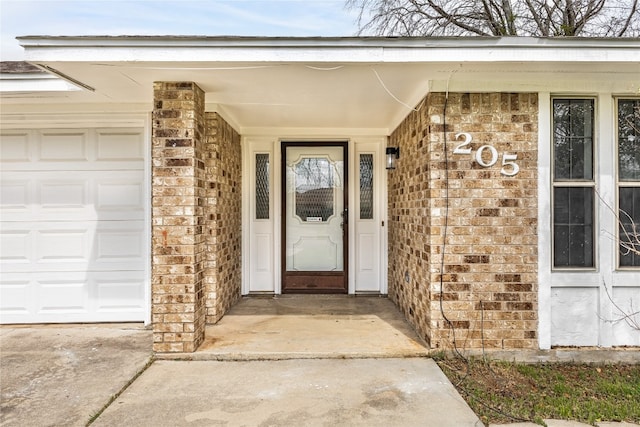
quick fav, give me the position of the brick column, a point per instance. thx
(489, 282)
(223, 223)
(490, 266)
(178, 199)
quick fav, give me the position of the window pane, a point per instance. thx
(629, 226)
(366, 186)
(314, 178)
(573, 139)
(262, 186)
(573, 227)
(629, 139)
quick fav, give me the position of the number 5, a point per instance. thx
(508, 160)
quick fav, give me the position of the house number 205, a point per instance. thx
(509, 166)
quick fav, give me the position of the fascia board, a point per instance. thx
(340, 42)
(345, 50)
(42, 83)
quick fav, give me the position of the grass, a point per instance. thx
(501, 392)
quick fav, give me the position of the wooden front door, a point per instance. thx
(315, 217)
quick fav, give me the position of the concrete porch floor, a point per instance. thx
(309, 326)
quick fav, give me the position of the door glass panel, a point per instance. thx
(314, 189)
(262, 186)
(366, 186)
(314, 208)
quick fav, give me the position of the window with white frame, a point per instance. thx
(628, 142)
(575, 198)
(573, 182)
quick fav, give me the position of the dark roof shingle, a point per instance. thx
(18, 67)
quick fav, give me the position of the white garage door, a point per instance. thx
(72, 225)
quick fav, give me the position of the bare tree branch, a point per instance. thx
(630, 317)
(546, 18)
(628, 21)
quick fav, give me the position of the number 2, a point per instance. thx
(467, 140)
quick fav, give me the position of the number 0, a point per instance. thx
(492, 161)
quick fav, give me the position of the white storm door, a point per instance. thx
(315, 227)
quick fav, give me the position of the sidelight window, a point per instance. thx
(573, 183)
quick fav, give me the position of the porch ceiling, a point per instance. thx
(368, 84)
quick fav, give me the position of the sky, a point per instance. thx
(174, 17)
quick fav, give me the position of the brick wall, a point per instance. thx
(224, 218)
(178, 244)
(196, 217)
(490, 262)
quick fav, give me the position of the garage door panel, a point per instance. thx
(120, 244)
(119, 294)
(72, 246)
(119, 145)
(63, 145)
(16, 297)
(87, 195)
(57, 246)
(16, 247)
(72, 297)
(63, 295)
(73, 225)
(62, 196)
(15, 146)
(14, 195)
(68, 194)
(72, 149)
(121, 193)
(63, 243)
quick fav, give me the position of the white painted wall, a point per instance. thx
(576, 308)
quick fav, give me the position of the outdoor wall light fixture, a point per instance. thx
(393, 154)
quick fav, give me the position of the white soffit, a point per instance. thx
(366, 83)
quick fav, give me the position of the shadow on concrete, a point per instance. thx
(310, 326)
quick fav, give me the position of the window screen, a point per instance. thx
(573, 192)
(628, 141)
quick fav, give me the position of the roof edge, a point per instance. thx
(310, 42)
(19, 68)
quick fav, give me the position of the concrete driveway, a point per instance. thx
(57, 375)
(407, 392)
(312, 361)
(287, 361)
